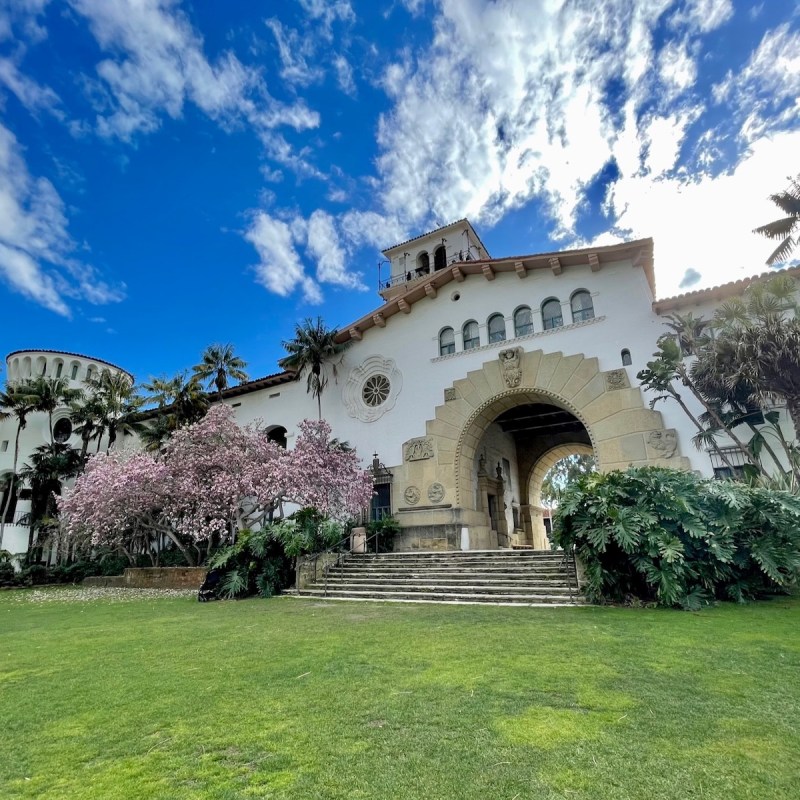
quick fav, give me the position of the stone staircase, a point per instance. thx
(519, 577)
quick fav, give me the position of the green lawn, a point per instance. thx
(287, 698)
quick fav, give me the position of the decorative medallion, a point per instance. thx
(617, 379)
(371, 389)
(664, 442)
(419, 449)
(411, 495)
(450, 394)
(436, 493)
(375, 390)
(510, 366)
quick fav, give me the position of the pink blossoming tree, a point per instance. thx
(213, 479)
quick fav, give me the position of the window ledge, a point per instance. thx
(526, 338)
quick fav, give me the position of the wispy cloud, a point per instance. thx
(156, 65)
(280, 268)
(35, 246)
(765, 93)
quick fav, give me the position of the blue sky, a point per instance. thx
(174, 174)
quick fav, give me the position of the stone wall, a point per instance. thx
(312, 568)
(153, 578)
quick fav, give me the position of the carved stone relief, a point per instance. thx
(510, 366)
(412, 495)
(617, 379)
(371, 389)
(664, 442)
(450, 394)
(436, 493)
(419, 449)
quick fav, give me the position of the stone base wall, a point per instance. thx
(153, 578)
(312, 568)
(427, 538)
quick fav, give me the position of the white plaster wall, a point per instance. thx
(624, 320)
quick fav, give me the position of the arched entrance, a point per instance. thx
(519, 407)
(535, 481)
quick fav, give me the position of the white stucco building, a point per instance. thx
(474, 376)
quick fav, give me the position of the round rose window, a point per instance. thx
(376, 389)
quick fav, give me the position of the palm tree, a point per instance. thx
(48, 394)
(18, 402)
(117, 404)
(785, 228)
(50, 465)
(219, 364)
(181, 397)
(313, 348)
(87, 416)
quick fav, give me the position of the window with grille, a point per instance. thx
(497, 328)
(551, 314)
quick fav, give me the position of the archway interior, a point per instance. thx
(506, 458)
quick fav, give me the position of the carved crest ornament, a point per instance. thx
(665, 442)
(510, 366)
(419, 449)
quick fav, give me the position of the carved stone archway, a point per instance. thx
(437, 473)
(535, 480)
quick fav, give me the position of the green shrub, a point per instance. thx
(8, 576)
(386, 529)
(662, 535)
(255, 564)
(33, 575)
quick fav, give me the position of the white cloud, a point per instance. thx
(31, 94)
(510, 103)
(294, 50)
(35, 246)
(766, 91)
(326, 12)
(704, 15)
(344, 75)
(280, 269)
(677, 67)
(158, 65)
(705, 223)
(325, 246)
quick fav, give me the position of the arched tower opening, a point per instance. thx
(513, 437)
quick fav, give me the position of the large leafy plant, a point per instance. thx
(667, 536)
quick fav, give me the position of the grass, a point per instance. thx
(284, 698)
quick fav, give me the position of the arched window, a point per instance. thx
(59, 368)
(447, 342)
(497, 328)
(626, 357)
(582, 307)
(423, 264)
(551, 314)
(523, 321)
(277, 434)
(62, 430)
(471, 335)
(89, 373)
(41, 366)
(439, 258)
(74, 371)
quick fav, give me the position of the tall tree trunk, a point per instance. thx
(700, 427)
(689, 384)
(190, 560)
(10, 485)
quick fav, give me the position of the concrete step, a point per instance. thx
(459, 577)
(511, 598)
(453, 569)
(491, 576)
(426, 586)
